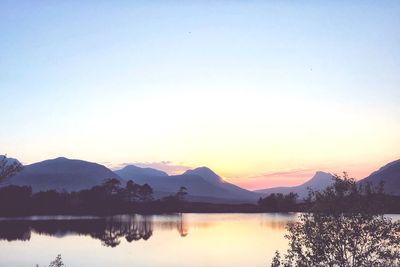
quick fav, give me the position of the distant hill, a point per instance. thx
(62, 174)
(202, 184)
(212, 178)
(319, 181)
(207, 174)
(138, 174)
(389, 174)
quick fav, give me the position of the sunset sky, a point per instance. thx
(263, 92)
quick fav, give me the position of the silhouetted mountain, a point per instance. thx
(318, 182)
(216, 180)
(62, 174)
(207, 174)
(202, 184)
(138, 174)
(389, 174)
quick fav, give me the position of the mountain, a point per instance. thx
(202, 184)
(139, 175)
(207, 174)
(319, 181)
(62, 174)
(212, 178)
(389, 174)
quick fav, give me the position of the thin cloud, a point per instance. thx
(166, 166)
(278, 178)
(288, 173)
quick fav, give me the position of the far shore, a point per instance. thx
(154, 208)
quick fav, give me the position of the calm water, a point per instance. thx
(134, 240)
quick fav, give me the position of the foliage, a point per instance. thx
(276, 261)
(176, 201)
(8, 168)
(57, 262)
(278, 202)
(344, 228)
(344, 240)
(109, 197)
(181, 194)
(344, 195)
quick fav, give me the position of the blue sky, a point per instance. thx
(245, 87)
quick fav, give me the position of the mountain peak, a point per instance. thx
(322, 175)
(204, 169)
(61, 159)
(206, 173)
(130, 167)
(138, 174)
(62, 174)
(319, 180)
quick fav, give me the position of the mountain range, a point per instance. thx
(389, 174)
(202, 183)
(319, 181)
(73, 175)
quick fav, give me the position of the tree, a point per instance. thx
(146, 193)
(57, 262)
(112, 186)
(341, 230)
(181, 194)
(132, 191)
(8, 167)
(276, 261)
(15, 200)
(278, 202)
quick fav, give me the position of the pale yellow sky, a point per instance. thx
(242, 136)
(264, 93)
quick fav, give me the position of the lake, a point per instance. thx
(136, 240)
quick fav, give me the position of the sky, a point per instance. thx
(263, 92)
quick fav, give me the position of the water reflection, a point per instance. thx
(278, 221)
(108, 230)
(178, 240)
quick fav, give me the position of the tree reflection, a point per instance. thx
(11, 231)
(139, 228)
(182, 226)
(108, 230)
(175, 222)
(111, 234)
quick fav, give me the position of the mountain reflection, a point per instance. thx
(109, 230)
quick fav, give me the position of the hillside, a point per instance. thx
(62, 174)
(389, 174)
(319, 181)
(201, 183)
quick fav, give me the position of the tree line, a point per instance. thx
(110, 197)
